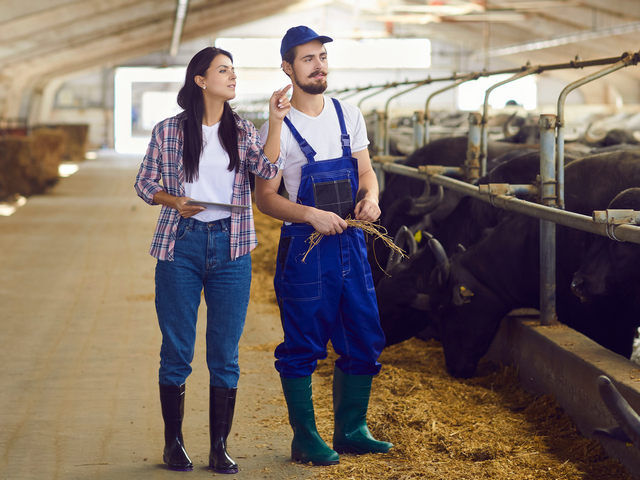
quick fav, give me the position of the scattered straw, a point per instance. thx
(483, 428)
(378, 231)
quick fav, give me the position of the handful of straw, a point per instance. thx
(378, 231)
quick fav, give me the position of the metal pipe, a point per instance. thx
(380, 124)
(427, 117)
(626, 233)
(380, 90)
(352, 94)
(388, 117)
(489, 73)
(418, 129)
(472, 162)
(548, 194)
(626, 60)
(507, 189)
(485, 108)
(547, 245)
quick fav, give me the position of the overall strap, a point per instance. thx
(307, 150)
(344, 137)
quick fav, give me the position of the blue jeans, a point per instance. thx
(202, 261)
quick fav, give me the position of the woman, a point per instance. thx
(203, 156)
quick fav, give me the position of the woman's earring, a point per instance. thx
(204, 87)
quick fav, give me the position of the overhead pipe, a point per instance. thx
(489, 73)
(626, 60)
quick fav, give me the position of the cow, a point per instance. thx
(610, 266)
(401, 295)
(609, 274)
(501, 272)
(406, 201)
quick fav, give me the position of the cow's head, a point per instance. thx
(610, 266)
(468, 315)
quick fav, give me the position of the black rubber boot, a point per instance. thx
(350, 403)
(307, 445)
(222, 402)
(172, 402)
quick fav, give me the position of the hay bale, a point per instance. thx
(47, 148)
(30, 164)
(75, 146)
(15, 159)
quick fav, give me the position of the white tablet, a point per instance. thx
(216, 204)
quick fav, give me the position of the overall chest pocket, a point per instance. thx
(334, 196)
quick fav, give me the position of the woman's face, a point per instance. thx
(220, 79)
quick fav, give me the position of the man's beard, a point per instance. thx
(311, 88)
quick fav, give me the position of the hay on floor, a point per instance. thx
(482, 428)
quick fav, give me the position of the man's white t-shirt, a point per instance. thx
(322, 133)
(215, 181)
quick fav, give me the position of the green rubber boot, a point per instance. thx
(307, 445)
(350, 403)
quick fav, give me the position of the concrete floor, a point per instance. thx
(79, 345)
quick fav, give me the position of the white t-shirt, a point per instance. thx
(215, 181)
(322, 133)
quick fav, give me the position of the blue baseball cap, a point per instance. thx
(299, 35)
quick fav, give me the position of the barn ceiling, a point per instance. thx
(42, 40)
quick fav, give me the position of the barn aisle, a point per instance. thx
(79, 345)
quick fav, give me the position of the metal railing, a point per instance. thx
(551, 190)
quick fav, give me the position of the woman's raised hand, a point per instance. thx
(279, 104)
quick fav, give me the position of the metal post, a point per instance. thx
(472, 163)
(381, 122)
(418, 129)
(547, 229)
(380, 175)
(485, 114)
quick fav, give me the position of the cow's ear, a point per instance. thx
(461, 295)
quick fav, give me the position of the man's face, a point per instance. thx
(310, 69)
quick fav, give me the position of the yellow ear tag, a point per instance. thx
(465, 292)
(418, 236)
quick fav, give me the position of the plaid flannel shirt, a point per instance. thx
(163, 162)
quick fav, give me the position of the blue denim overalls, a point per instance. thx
(329, 296)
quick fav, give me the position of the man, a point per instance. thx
(330, 295)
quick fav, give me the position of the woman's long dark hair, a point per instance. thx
(191, 100)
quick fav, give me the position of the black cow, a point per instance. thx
(401, 295)
(610, 266)
(609, 274)
(405, 201)
(501, 272)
